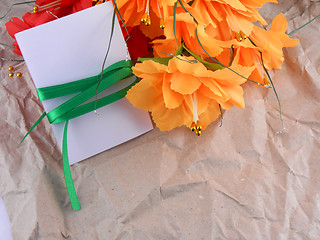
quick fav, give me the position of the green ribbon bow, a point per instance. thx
(74, 107)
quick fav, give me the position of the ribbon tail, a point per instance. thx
(67, 172)
(34, 125)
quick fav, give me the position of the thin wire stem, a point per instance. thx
(117, 9)
(105, 58)
(15, 4)
(3, 44)
(292, 32)
(13, 60)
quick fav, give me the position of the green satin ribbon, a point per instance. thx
(86, 88)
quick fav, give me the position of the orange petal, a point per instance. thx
(164, 47)
(172, 99)
(227, 77)
(145, 94)
(272, 61)
(268, 41)
(184, 24)
(202, 101)
(236, 97)
(208, 43)
(210, 115)
(225, 57)
(234, 3)
(183, 83)
(256, 76)
(245, 56)
(206, 12)
(149, 69)
(215, 88)
(286, 40)
(222, 97)
(279, 24)
(187, 65)
(167, 119)
(245, 25)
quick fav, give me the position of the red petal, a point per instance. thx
(66, 3)
(137, 43)
(15, 26)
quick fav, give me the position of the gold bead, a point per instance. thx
(144, 17)
(193, 127)
(266, 81)
(243, 35)
(10, 68)
(35, 9)
(198, 132)
(10, 74)
(199, 127)
(238, 37)
(19, 74)
(162, 23)
(148, 21)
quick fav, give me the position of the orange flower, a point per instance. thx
(238, 13)
(248, 53)
(185, 91)
(268, 44)
(271, 42)
(133, 11)
(185, 29)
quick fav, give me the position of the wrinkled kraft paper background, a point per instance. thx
(240, 181)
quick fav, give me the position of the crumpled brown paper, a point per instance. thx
(239, 181)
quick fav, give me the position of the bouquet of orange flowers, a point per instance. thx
(203, 51)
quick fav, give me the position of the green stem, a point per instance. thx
(213, 66)
(164, 60)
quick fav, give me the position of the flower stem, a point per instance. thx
(212, 66)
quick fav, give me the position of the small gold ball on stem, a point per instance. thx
(162, 26)
(148, 21)
(144, 18)
(10, 74)
(266, 81)
(199, 127)
(198, 132)
(243, 35)
(19, 74)
(35, 9)
(193, 127)
(238, 37)
(10, 68)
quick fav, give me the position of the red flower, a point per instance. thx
(55, 8)
(138, 44)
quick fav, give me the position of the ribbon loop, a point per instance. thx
(55, 91)
(86, 88)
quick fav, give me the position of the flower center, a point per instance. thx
(146, 16)
(196, 125)
(260, 68)
(232, 20)
(160, 15)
